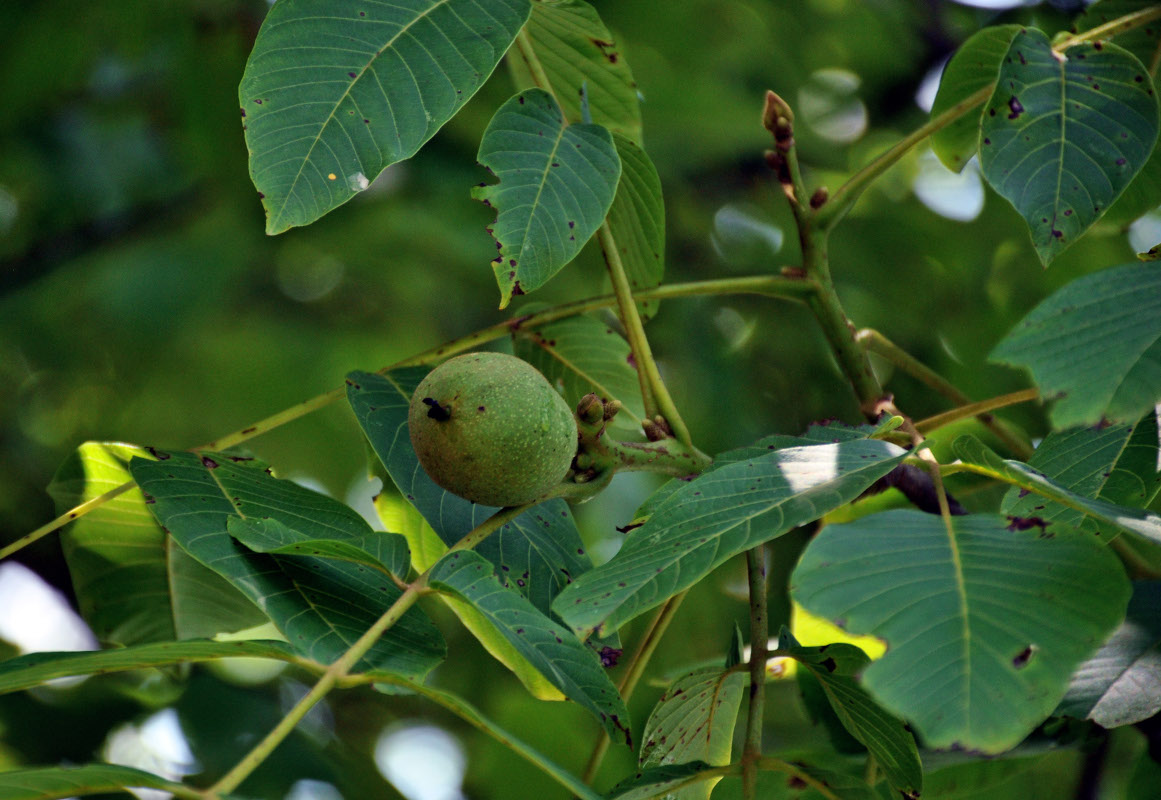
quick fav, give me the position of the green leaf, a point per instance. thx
(557, 182)
(886, 737)
(973, 66)
(321, 605)
(334, 91)
(1141, 42)
(33, 669)
(1116, 464)
(984, 461)
(1061, 137)
(538, 553)
(664, 781)
(581, 355)
(583, 65)
(1094, 346)
(386, 552)
(46, 783)
(133, 584)
(990, 621)
(637, 221)
(1121, 683)
(717, 516)
(694, 721)
(547, 645)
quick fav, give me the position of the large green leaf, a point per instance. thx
(694, 721)
(583, 66)
(557, 182)
(47, 783)
(581, 355)
(974, 66)
(1141, 41)
(1062, 136)
(133, 583)
(33, 669)
(538, 553)
(977, 457)
(549, 646)
(717, 516)
(661, 782)
(637, 221)
(1121, 683)
(984, 624)
(886, 737)
(1094, 346)
(1116, 464)
(386, 552)
(321, 605)
(336, 91)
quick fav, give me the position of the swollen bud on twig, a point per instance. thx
(590, 409)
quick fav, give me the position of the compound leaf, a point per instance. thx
(47, 783)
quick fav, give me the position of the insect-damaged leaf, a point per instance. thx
(335, 91)
(1063, 135)
(557, 182)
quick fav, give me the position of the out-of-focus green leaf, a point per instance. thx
(637, 221)
(985, 461)
(1142, 41)
(33, 669)
(584, 66)
(1116, 464)
(973, 66)
(989, 619)
(334, 92)
(886, 737)
(386, 552)
(581, 355)
(694, 721)
(1121, 684)
(47, 783)
(1093, 346)
(557, 182)
(133, 583)
(321, 605)
(717, 516)
(1061, 137)
(549, 646)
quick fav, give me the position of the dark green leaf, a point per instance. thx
(637, 221)
(886, 737)
(583, 66)
(1093, 346)
(549, 646)
(47, 783)
(1062, 136)
(581, 355)
(322, 606)
(973, 66)
(717, 516)
(557, 182)
(992, 621)
(1121, 683)
(1133, 521)
(133, 583)
(33, 669)
(694, 721)
(386, 552)
(334, 92)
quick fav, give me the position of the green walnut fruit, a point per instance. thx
(490, 428)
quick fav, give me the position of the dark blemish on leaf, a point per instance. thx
(1024, 656)
(1139, 78)
(158, 454)
(1025, 523)
(1098, 46)
(1057, 234)
(511, 262)
(987, 141)
(350, 382)
(148, 499)
(209, 463)
(610, 656)
(350, 75)
(1015, 107)
(259, 102)
(516, 290)
(251, 429)
(243, 111)
(366, 122)
(521, 99)
(1023, 60)
(1120, 162)
(240, 459)
(829, 664)
(436, 411)
(1068, 212)
(571, 224)
(991, 112)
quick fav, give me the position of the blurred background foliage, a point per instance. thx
(140, 301)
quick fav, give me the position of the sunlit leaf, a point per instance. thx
(133, 583)
(887, 738)
(664, 781)
(990, 620)
(583, 64)
(557, 182)
(973, 66)
(694, 721)
(1094, 346)
(717, 516)
(1121, 683)
(334, 92)
(321, 605)
(1062, 136)
(547, 645)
